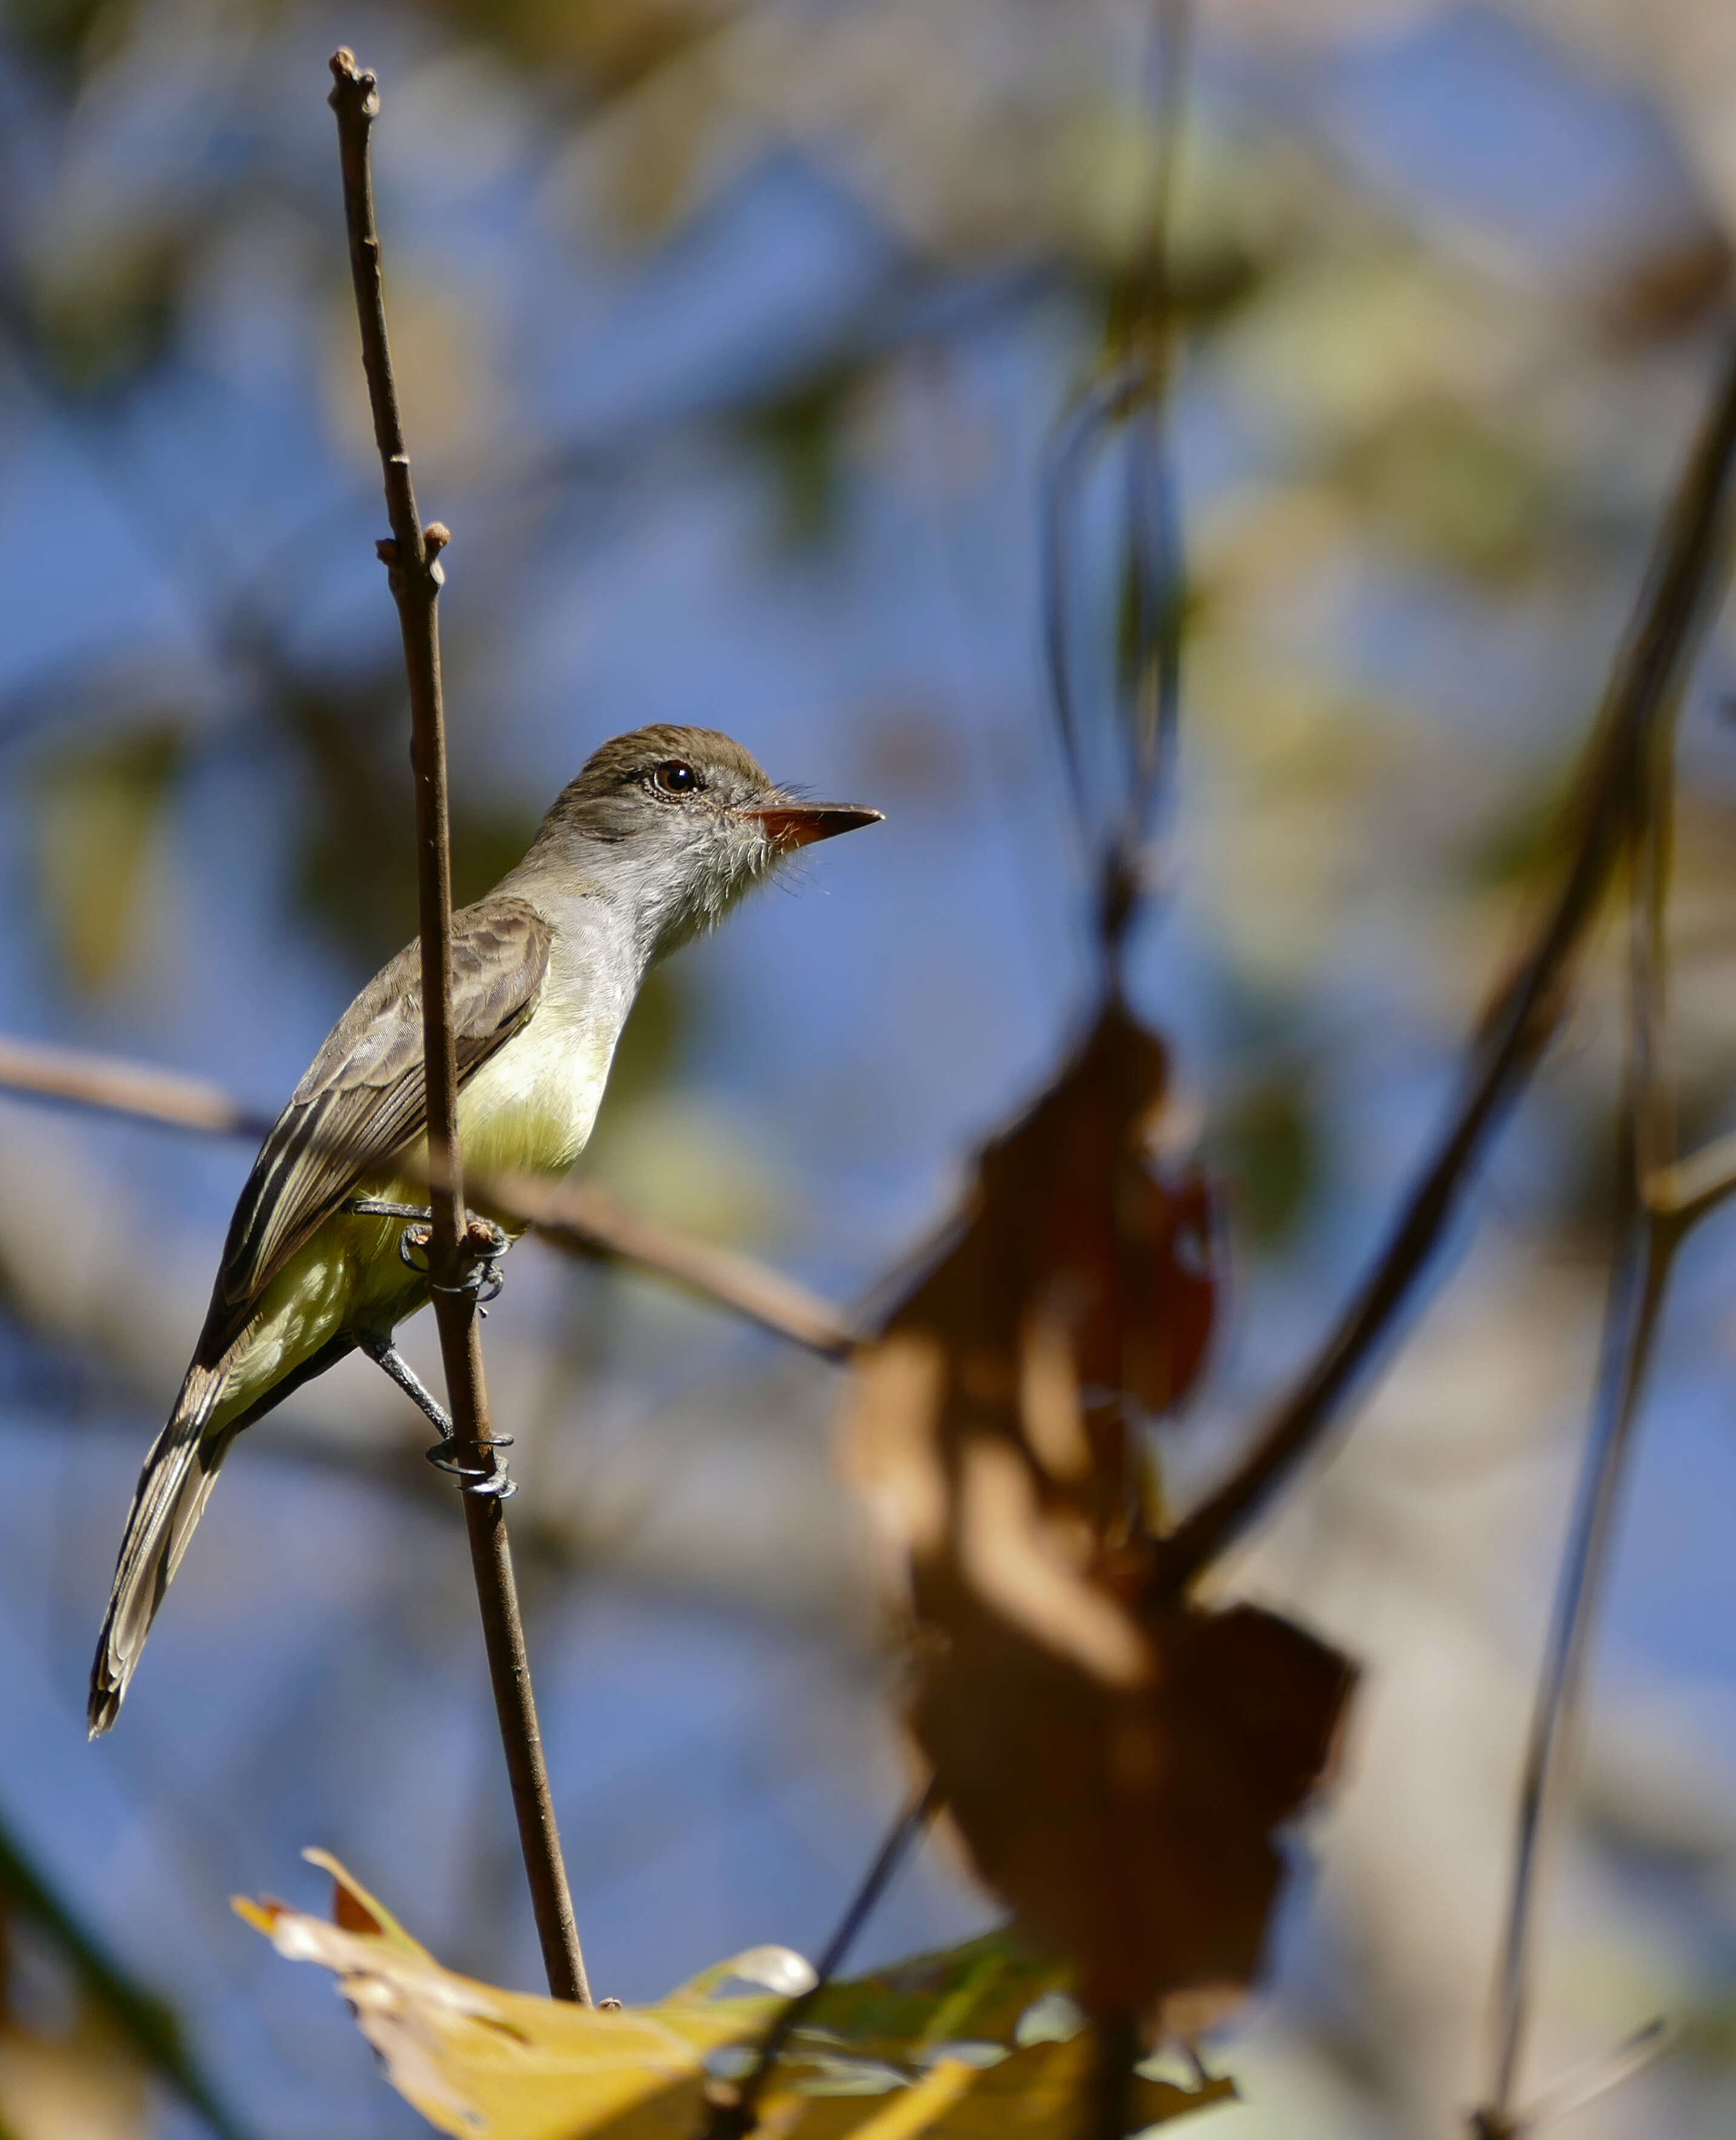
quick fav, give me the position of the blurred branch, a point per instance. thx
(575, 1217)
(1638, 1286)
(147, 2023)
(1597, 2077)
(1526, 1008)
(135, 1091)
(1649, 1230)
(585, 1220)
(412, 560)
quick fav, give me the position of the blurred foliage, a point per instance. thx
(1267, 1142)
(108, 312)
(1422, 442)
(355, 874)
(55, 2082)
(800, 433)
(970, 2044)
(99, 809)
(1452, 491)
(601, 47)
(66, 34)
(82, 2073)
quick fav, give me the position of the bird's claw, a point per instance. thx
(482, 1245)
(492, 1480)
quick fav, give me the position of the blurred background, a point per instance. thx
(731, 332)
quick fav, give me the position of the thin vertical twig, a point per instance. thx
(411, 557)
(1126, 399)
(1648, 1235)
(1638, 1286)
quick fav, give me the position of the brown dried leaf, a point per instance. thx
(1079, 1295)
(1116, 1762)
(1131, 1826)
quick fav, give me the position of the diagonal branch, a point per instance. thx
(1638, 1287)
(411, 558)
(1525, 1009)
(1648, 1232)
(584, 1220)
(733, 2108)
(575, 1217)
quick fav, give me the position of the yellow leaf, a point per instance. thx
(964, 2045)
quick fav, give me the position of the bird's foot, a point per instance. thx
(488, 1476)
(482, 1246)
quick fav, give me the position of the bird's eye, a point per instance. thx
(673, 777)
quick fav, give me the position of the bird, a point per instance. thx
(658, 837)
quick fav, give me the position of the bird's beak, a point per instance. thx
(789, 824)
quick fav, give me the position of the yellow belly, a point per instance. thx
(528, 1110)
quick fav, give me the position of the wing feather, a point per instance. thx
(363, 1098)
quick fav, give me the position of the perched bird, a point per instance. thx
(659, 836)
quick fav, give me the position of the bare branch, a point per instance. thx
(1525, 1009)
(575, 1218)
(584, 1220)
(411, 558)
(1597, 2077)
(135, 1090)
(1648, 1238)
(1638, 1286)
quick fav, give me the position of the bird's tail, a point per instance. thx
(173, 1489)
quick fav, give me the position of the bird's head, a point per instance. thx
(679, 822)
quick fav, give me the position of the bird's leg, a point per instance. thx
(380, 1348)
(484, 1244)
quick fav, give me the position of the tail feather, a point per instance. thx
(173, 1487)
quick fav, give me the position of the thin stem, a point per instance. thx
(1525, 1009)
(411, 558)
(1647, 1241)
(1638, 1286)
(734, 2110)
(1598, 2076)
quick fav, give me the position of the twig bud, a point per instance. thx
(436, 535)
(345, 75)
(386, 550)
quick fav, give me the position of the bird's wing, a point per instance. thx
(363, 1098)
